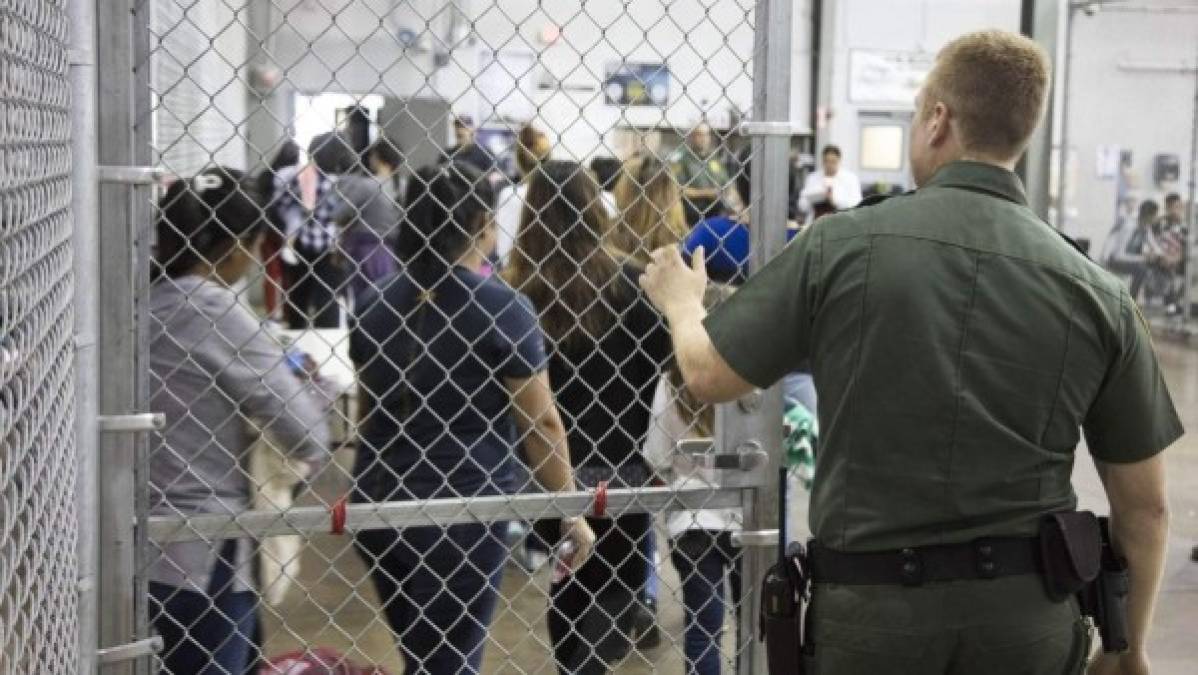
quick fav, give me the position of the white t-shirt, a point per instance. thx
(846, 190)
(508, 207)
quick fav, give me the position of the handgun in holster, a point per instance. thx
(783, 591)
(1080, 559)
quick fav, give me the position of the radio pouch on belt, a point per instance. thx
(1071, 552)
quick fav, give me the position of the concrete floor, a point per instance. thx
(333, 604)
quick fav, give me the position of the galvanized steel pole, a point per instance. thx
(86, 271)
(123, 138)
(760, 419)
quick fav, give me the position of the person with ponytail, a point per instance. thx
(452, 370)
(212, 370)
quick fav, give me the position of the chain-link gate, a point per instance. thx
(381, 434)
(38, 528)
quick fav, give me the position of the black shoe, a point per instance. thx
(646, 634)
(1194, 554)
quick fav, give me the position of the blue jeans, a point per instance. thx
(703, 558)
(205, 633)
(438, 588)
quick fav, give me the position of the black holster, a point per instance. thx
(1106, 598)
(1079, 560)
(783, 592)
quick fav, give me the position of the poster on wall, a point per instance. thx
(887, 77)
(636, 84)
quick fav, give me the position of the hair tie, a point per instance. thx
(205, 181)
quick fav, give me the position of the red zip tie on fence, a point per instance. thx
(337, 515)
(600, 507)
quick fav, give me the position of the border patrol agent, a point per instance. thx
(701, 172)
(960, 346)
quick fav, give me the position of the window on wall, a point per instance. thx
(883, 147)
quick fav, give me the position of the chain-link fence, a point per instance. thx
(396, 330)
(38, 602)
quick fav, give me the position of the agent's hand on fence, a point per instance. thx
(673, 286)
(578, 532)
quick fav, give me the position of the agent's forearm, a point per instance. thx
(1140, 536)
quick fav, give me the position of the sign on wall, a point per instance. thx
(887, 77)
(627, 84)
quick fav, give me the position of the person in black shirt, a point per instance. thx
(607, 349)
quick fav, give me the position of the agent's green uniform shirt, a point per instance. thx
(959, 346)
(693, 171)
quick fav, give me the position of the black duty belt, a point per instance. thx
(981, 559)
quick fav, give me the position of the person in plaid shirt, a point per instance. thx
(317, 277)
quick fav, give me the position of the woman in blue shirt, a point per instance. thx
(445, 357)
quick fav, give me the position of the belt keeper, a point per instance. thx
(911, 569)
(337, 514)
(599, 509)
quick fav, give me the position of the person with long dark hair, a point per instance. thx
(452, 368)
(608, 347)
(212, 366)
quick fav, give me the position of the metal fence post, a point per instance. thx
(123, 140)
(86, 237)
(761, 419)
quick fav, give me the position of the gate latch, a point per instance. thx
(130, 651)
(747, 457)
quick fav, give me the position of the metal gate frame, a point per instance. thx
(124, 140)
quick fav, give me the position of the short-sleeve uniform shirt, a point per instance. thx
(959, 346)
(693, 171)
(431, 366)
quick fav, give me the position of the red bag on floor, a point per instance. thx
(319, 661)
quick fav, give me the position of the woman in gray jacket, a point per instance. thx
(214, 371)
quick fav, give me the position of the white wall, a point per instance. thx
(1146, 111)
(919, 27)
(707, 45)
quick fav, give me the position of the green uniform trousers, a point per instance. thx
(1005, 626)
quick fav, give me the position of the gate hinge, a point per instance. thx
(130, 651)
(131, 423)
